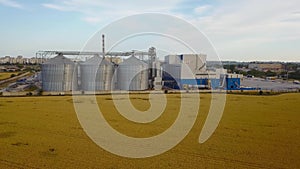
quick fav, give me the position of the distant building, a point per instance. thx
(2, 69)
(21, 60)
(35, 60)
(273, 67)
(5, 59)
(244, 69)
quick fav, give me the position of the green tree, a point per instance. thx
(256, 73)
(294, 75)
(13, 75)
(20, 66)
(269, 73)
(230, 68)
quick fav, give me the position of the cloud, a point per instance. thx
(234, 27)
(225, 19)
(242, 18)
(202, 9)
(104, 11)
(56, 7)
(237, 27)
(11, 3)
(92, 20)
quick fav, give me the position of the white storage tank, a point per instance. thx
(57, 74)
(132, 74)
(96, 74)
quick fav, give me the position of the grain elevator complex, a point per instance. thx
(138, 71)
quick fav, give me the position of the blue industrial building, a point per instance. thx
(188, 71)
(233, 83)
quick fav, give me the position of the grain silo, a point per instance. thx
(132, 74)
(96, 74)
(57, 74)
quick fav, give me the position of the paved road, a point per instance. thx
(14, 78)
(269, 84)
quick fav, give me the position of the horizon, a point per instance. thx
(238, 61)
(237, 33)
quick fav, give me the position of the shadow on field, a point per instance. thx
(7, 134)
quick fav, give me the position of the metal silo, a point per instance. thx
(96, 74)
(132, 74)
(57, 74)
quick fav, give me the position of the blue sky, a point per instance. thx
(243, 30)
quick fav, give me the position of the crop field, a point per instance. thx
(6, 75)
(254, 132)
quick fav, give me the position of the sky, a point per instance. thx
(241, 30)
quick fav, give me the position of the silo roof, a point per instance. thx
(133, 61)
(59, 59)
(95, 60)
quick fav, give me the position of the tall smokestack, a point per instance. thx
(103, 45)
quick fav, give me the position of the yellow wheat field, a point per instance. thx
(255, 132)
(6, 75)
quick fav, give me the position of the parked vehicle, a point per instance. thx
(296, 82)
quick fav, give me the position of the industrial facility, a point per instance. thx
(138, 71)
(98, 73)
(178, 72)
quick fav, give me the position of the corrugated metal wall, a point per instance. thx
(96, 74)
(57, 74)
(132, 74)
